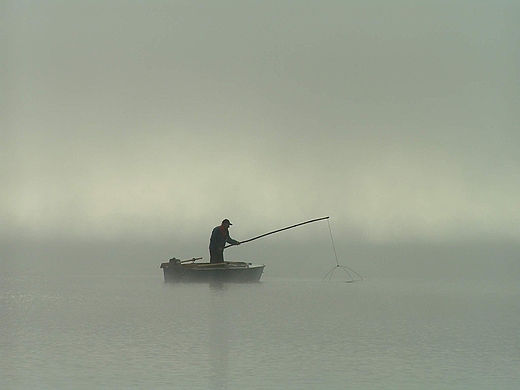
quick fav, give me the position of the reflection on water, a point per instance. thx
(219, 335)
(138, 332)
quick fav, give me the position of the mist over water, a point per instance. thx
(130, 129)
(135, 119)
(468, 260)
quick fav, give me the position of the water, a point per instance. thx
(136, 332)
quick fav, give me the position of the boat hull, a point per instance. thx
(227, 272)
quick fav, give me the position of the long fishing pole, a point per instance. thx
(280, 230)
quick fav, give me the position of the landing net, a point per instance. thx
(347, 270)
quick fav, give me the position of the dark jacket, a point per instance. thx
(219, 239)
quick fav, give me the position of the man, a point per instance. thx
(217, 242)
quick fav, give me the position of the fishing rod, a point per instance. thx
(280, 230)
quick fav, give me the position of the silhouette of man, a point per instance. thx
(219, 237)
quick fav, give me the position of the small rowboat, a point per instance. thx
(229, 271)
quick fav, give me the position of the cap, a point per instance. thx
(227, 221)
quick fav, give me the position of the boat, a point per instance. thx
(227, 272)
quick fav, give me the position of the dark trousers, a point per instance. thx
(216, 256)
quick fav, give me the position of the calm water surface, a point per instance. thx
(124, 332)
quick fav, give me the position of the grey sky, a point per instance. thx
(145, 118)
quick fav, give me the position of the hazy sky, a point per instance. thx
(400, 120)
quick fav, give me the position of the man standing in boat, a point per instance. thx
(219, 237)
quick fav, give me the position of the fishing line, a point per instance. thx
(344, 268)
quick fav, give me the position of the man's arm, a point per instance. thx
(232, 241)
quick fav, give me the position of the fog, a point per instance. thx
(142, 125)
